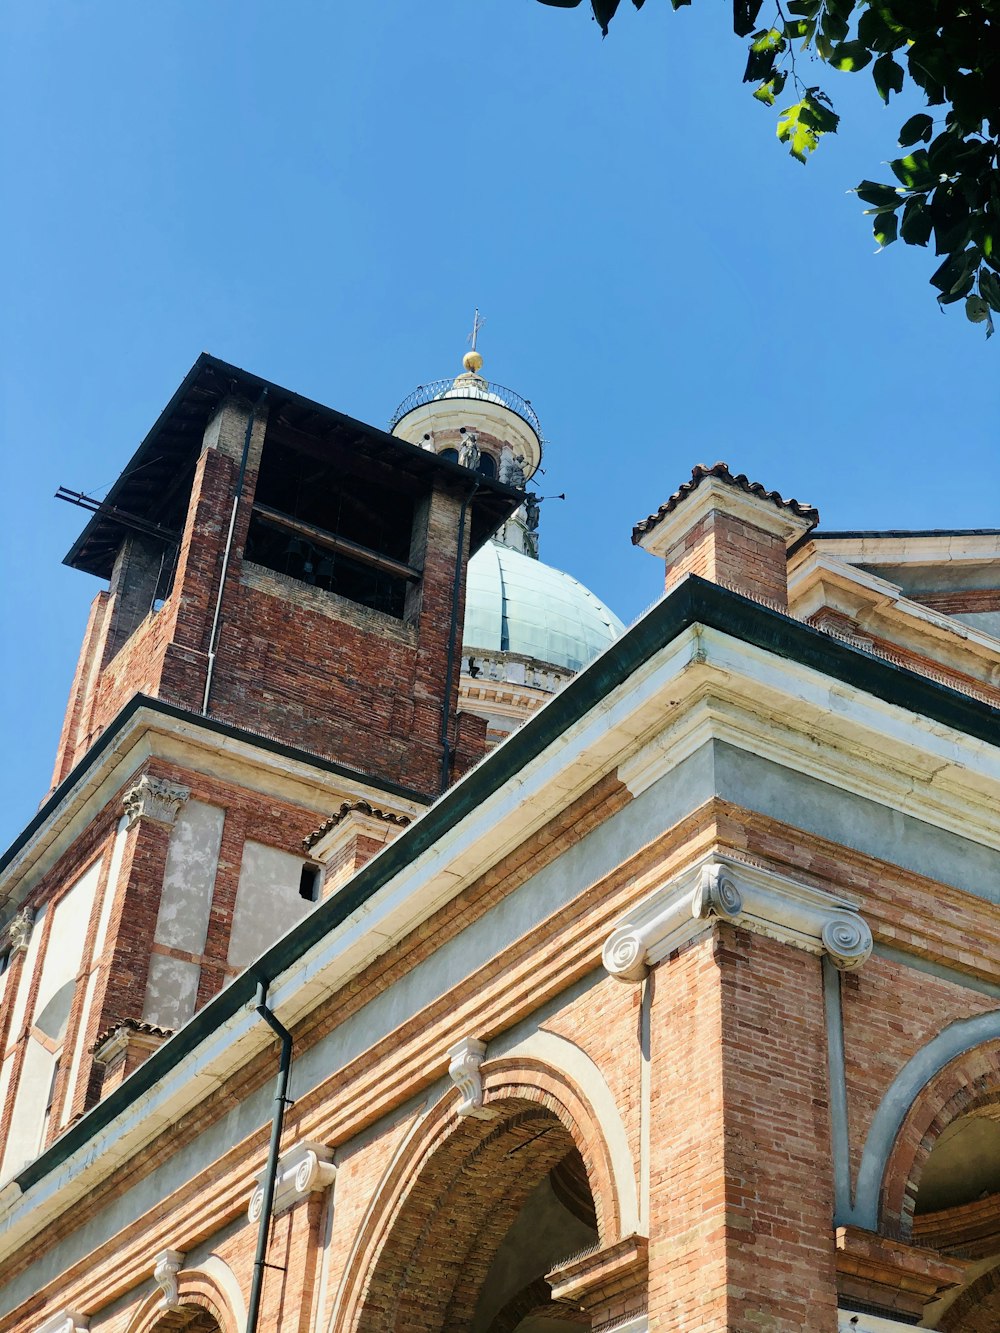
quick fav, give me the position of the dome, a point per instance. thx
(515, 604)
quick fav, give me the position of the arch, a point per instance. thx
(977, 1309)
(448, 1179)
(201, 1292)
(885, 1141)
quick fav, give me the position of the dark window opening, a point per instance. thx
(345, 533)
(450, 454)
(309, 883)
(487, 466)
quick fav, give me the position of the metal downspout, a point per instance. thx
(273, 1152)
(446, 748)
(213, 638)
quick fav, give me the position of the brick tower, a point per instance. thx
(280, 638)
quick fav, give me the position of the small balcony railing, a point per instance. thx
(429, 393)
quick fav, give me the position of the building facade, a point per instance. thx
(677, 1010)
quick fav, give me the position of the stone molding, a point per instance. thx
(19, 930)
(874, 1270)
(156, 799)
(601, 1279)
(66, 1321)
(303, 1169)
(168, 1264)
(719, 887)
(465, 1059)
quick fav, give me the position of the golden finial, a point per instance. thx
(472, 361)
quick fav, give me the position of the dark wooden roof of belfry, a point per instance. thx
(170, 451)
(739, 480)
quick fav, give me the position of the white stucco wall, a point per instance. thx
(267, 901)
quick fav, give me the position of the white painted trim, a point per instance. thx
(465, 1060)
(569, 1059)
(66, 1321)
(759, 900)
(850, 1321)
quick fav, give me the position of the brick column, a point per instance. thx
(151, 806)
(741, 1183)
(728, 530)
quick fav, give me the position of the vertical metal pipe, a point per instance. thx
(452, 635)
(273, 1152)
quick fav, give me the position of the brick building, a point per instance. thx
(678, 1010)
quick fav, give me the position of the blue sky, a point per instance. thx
(322, 192)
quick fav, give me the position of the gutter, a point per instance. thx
(693, 602)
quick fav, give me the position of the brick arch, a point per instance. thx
(204, 1308)
(966, 1084)
(448, 1200)
(977, 1310)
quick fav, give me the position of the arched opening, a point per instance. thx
(491, 1211)
(188, 1319)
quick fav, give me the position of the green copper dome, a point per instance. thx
(518, 605)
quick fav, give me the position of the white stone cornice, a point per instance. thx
(748, 896)
(156, 799)
(66, 1321)
(301, 1170)
(165, 1269)
(464, 1061)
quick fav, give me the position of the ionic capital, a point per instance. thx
(748, 896)
(66, 1321)
(301, 1170)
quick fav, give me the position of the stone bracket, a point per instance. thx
(464, 1061)
(66, 1321)
(875, 1270)
(603, 1279)
(19, 929)
(753, 898)
(301, 1170)
(168, 1264)
(156, 799)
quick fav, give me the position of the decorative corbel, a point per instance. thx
(749, 896)
(66, 1321)
(464, 1061)
(301, 1170)
(156, 799)
(19, 930)
(168, 1264)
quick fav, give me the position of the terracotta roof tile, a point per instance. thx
(721, 471)
(352, 807)
(131, 1025)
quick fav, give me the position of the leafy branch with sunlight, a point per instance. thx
(946, 191)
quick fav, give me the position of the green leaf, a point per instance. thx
(888, 76)
(976, 309)
(916, 223)
(766, 46)
(989, 288)
(886, 229)
(604, 12)
(914, 170)
(850, 56)
(800, 136)
(816, 115)
(745, 16)
(917, 128)
(955, 276)
(770, 89)
(834, 27)
(807, 9)
(870, 192)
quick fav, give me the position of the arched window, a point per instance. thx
(450, 454)
(487, 466)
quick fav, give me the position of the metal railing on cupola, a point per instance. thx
(481, 389)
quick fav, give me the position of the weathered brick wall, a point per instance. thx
(729, 550)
